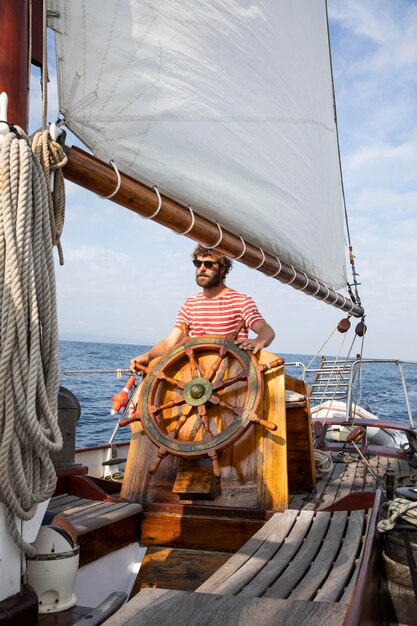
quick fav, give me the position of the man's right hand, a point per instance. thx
(143, 359)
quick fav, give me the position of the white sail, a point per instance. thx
(225, 105)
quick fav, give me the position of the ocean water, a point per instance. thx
(381, 388)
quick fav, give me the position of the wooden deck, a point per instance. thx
(301, 567)
(349, 477)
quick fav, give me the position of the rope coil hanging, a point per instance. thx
(29, 368)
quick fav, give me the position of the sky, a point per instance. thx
(124, 277)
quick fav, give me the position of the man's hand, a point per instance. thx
(252, 345)
(143, 359)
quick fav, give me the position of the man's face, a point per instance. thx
(208, 277)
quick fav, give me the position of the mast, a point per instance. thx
(14, 58)
(95, 175)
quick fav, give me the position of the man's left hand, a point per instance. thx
(251, 345)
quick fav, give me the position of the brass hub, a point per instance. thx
(197, 391)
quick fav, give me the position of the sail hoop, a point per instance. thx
(263, 259)
(139, 198)
(158, 208)
(218, 242)
(191, 226)
(242, 254)
(118, 183)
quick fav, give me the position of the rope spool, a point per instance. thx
(29, 368)
(323, 462)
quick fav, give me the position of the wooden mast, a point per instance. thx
(95, 175)
(14, 63)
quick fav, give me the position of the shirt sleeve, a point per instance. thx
(250, 312)
(183, 315)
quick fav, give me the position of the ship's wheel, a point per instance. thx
(201, 397)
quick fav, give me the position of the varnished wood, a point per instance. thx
(14, 62)
(253, 469)
(196, 531)
(90, 173)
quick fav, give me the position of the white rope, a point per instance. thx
(158, 195)
(263, 259)
(236, 258)
(118, 183)
(279, 268)
(218, 242)
(29, 370)
(191, 226)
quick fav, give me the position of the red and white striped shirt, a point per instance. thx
(218, 316)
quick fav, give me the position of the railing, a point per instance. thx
(335, 381)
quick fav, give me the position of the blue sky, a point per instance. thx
(124, 277)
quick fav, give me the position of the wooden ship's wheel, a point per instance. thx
(201, 397)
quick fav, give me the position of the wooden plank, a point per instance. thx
(322, 564)
(175, 568)
(101, 518)
(197, 532)
(279, 562)
(345, 562)
(301, 562)
(153, 607)
(278, 523)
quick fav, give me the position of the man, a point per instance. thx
(217, 310)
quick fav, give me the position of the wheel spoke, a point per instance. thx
(226, 405)
(194, 367)
(181, 421)
(222, 384)
(179, 384)
(205, 420)
(213, 369)
(177, 401)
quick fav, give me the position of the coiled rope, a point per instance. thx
(29, 370)
(399, 507)
(323, 462)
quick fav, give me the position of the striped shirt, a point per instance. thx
(218, 316)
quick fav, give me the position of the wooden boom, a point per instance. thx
(91, 173)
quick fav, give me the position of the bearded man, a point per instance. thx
(217, 310)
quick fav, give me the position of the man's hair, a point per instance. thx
(220, 258)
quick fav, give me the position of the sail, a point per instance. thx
(226, 106)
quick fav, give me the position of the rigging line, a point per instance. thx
(158, 195)
(329, 378)
(243, 249)
(279, 268)
(321, 348)
(337, 134)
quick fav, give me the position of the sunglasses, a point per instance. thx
(207, 264)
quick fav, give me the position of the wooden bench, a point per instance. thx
(301, 567)
(97, 523)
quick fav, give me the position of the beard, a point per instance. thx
(208, 283)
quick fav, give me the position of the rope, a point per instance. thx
(52, 158)
(399, 507)
(323, 462)
(29, 370)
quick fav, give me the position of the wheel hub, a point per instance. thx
(197, 391)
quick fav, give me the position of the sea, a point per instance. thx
(91, 371)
